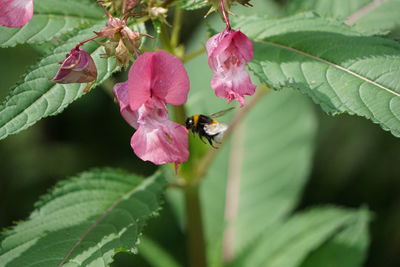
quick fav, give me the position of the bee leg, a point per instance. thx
(209, 139)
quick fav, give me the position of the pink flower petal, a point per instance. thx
(233, 86)
(140, 80)
(153, 111)
(161, 143)
(121, 93)
(243, 45)
(170, 79)
(157, 139)
(157, 75)
(15, 13)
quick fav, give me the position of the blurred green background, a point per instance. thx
(355, 162)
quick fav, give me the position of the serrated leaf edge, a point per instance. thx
(141, 187)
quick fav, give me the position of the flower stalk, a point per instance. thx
(194, 227)
(225, 15)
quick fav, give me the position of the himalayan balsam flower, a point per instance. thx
(15, 13)
(155, 79)
(78, 67)
(228, 53)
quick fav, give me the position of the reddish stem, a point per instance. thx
(87, 40)
(225, 15)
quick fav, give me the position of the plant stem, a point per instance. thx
(165, 39)
(194, 54)
(176, 27)
(179, 114)
(194, 227)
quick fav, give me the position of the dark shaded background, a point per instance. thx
(356, 163)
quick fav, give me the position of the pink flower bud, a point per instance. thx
(15, 13)
(228, 53)
(78, 67)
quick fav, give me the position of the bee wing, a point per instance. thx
(215, 128)
(221, 113)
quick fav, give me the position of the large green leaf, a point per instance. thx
(346, 249)
(289, 244)
(384, 17)
(51, 19)
(338, 8)
(36, 97)
(342, 70)
(84, 221)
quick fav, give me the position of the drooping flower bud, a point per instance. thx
(228, 53)
(77, 67)
(15, 13)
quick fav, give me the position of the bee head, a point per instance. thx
(189, 122)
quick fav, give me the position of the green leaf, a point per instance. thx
(288, 244)
(342, 70)
(346, 249)
(382, 18)
(327, 8)
(36, 97)
(192, 4)
(84, 221)
(52, 18)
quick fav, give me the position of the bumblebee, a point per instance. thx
(206, 127)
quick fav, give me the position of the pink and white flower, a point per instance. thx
(228, 53)
(77, 67)
(155, 79)
(15, 13)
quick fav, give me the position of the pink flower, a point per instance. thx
(78, 67)
(154, 80)
(15, 13)
(228, 53)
